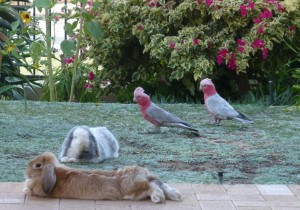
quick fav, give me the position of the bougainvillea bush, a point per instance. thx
(168, 46)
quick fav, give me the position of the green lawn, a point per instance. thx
(266, 152)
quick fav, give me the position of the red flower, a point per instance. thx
(240, 42)
(256, 20)
(258, 43)
(208, 2)
(181, 41)
(292, 28)
(266, 14)
(196, 41)
(91, 76)
(251, 5)
(243, 10)
(172, 45)
(56, 17)
(152, 4)
(221, 54)
(69, 60)
(139, 27)
(199, 1)
(260, 30)
(89, 87)
(241, 49)
(232, 62)
(265, 53)
(90, 3)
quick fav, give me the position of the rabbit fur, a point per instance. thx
(88, 144)
(48, 178)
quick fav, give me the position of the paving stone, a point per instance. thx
(208, 189)
(284, 198)
(250, 203)
(217, 205)
(11, 187)
(254, 208)
(295, 189)
(44, 206)
(73, 204)
(274, 190)
(242, 189)
(41, 200)
(12, 198)
(112, 207)
(213, 197)
(165, 207)
(236, 197)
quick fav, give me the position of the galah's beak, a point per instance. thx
(200, 87)
(134, 99)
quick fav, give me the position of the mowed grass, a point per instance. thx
(267, 152)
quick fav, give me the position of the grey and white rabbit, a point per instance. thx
(89, 144)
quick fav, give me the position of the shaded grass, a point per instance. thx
(266, 152)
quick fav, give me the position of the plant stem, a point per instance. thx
(77, 59)
(49, 55)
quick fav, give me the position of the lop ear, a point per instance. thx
(48, 178)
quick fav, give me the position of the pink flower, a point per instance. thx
(199, 1)
(292, 28)
(69, 60)
(260, 30)
(139, 27)
(251, 5)
(90, 3)
(208, 2)
(256, 20)
(172, 45)
(56, 17)
(89, 87)
(232, 62)
(266, 14)
(91, 75)
(258, 43)
(280, 7)
(221, 54)
(182, 41)
(265, 53)
(196, 41)
(243, 10)
(241, 49)
(240, 42)
(152, 4)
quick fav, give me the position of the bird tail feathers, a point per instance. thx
(244, 119)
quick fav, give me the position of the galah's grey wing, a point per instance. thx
(161, 115)
(220, 107)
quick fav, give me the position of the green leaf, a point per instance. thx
(15, 25)
(8, 87)
(36, 50)
(69, 28)
(95, 31)
(68, 47)
(43, 4)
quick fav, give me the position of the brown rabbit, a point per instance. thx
(47, 177)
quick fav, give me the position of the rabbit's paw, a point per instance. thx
(69, 160)
(174, 195)
(157, 196)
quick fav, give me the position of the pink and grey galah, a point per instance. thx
(156, 115)
(218, 106)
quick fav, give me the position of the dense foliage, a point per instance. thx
(168, 46)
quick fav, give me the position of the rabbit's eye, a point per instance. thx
(38, 165)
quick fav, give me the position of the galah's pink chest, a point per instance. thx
(205, 100)
(146, 116)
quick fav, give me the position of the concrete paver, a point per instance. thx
(195, 197)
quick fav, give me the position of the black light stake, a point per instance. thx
(271, 94)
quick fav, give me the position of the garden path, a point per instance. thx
(196, 197)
